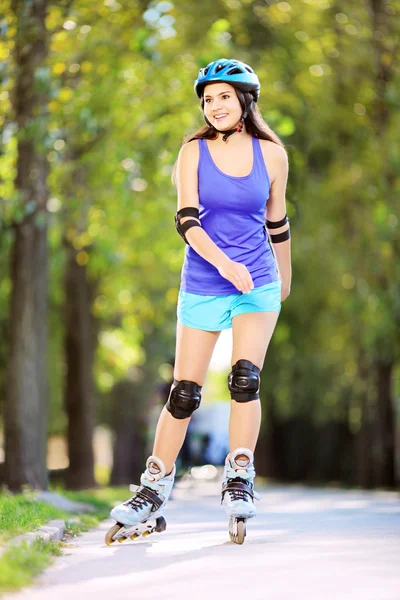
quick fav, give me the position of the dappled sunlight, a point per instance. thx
(97, 100)
(188, 543)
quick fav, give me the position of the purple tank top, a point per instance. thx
(232, 212)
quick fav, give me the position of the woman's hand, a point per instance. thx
(237, 274)
(285, 289)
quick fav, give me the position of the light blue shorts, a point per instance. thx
(214, 313)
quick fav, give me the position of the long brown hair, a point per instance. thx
(254, 122)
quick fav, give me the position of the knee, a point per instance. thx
(184, 399)
(244, 381)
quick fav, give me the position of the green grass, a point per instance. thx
(21, 513)
(20, 564)
(102, 498)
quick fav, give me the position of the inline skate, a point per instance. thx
(238, 492)
(141, 515)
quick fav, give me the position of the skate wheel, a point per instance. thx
(241, 531)
(146, 533)
(134, 536)
(237, 530)
(111, 533)
(122, 539)
(161, 525)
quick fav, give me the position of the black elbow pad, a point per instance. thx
(277, 238)
(189, 211)
(280, 237)
(277, 224)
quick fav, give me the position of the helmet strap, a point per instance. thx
(238, 128)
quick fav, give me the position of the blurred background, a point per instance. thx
(95, 100)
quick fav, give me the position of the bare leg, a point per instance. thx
(170, 435)
(252, 333)
(194, 349)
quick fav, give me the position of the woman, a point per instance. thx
(225, 175)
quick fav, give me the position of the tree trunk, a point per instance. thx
(80, 343)
(382, 22)
(385, 425)
(386, 60)
(129, 433)
(364, 439)
(26, 396)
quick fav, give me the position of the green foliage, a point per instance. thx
(83, 523)
(21, 513)
(101, 498)
(20, 564)
(117, 115)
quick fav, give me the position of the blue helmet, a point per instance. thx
(238, 74)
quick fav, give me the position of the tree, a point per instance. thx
(26, 396)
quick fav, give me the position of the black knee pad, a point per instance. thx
(244, 381)
(184, 398)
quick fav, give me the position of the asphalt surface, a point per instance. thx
(304, 543)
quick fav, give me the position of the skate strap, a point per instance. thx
(231, 486)
(148, 494)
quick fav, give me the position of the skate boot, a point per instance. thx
(238, 492)
(142, 514)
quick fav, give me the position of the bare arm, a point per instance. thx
(187, 184)
(276, 211)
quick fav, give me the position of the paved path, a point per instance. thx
(304, 544)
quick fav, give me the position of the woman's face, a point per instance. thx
(221, 106)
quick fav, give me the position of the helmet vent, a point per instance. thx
(235, 71)
(239, 74)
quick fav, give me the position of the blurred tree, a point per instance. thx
(26, 397)
(95, 179)
(80, 345)
(117, 114)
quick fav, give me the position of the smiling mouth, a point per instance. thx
(220, 117)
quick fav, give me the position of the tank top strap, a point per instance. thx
(202, 150)
(259, 158)
(208, 167)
